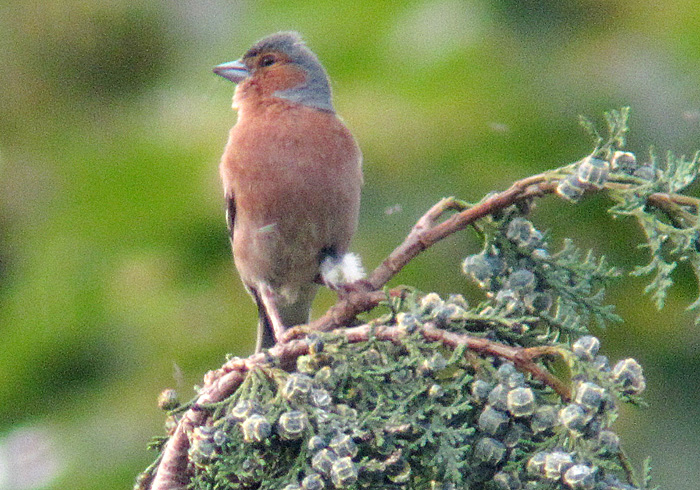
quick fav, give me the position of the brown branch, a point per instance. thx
(342, 313)
(670, 206)
(423, 235)
(172, 473)
(426, 233)
(522, 358)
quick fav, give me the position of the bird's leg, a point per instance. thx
(268, 298)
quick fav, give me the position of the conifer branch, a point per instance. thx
(510, 334)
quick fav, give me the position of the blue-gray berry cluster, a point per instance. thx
(590, 444)
(515, 289)
(512, 417)
(591, 172)
(295, 421)
(533, 291)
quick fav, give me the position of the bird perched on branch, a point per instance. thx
(292, 174)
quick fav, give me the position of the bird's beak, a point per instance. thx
(235, 71)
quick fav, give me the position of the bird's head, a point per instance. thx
(280, 65)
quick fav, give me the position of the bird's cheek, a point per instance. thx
(282, 78)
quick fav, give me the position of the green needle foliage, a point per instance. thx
(510, 393)
(672, 234)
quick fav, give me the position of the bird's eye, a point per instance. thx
(267, 60)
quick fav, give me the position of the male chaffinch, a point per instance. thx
(292, 174)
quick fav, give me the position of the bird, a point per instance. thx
(292, 178)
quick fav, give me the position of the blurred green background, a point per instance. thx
(116, 279)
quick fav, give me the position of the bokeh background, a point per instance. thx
(116, 279)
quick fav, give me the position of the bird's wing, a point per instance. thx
(230, 213)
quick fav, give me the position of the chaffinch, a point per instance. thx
(292, 174)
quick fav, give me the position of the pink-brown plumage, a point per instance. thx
(292, 174)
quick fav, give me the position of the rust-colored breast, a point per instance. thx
(295, 175)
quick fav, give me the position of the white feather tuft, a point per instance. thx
(352, 267)
(337, 272)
